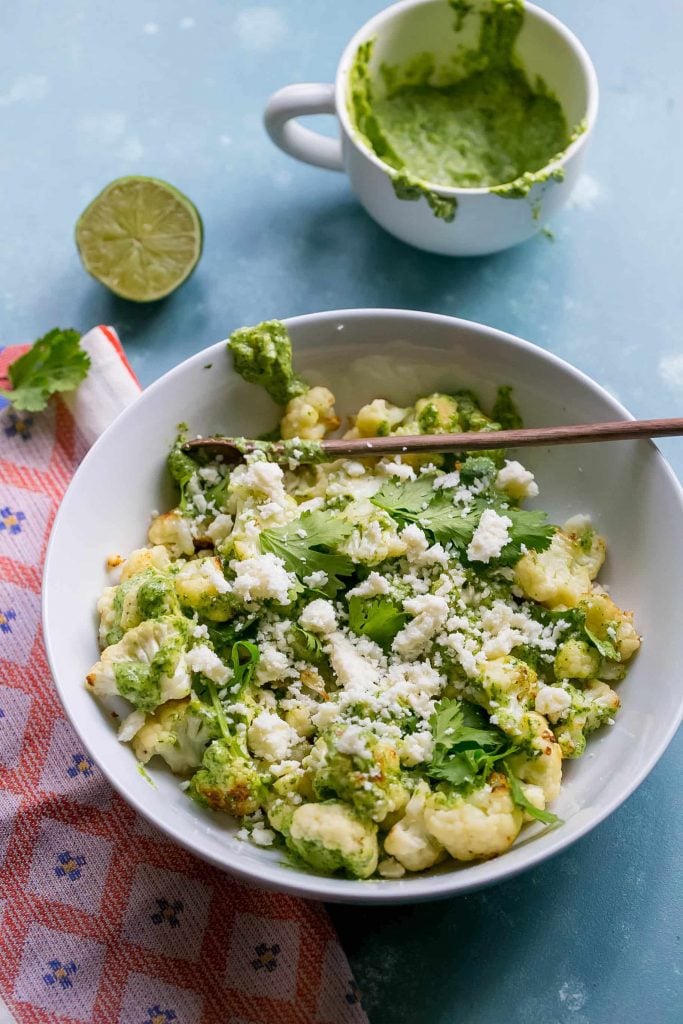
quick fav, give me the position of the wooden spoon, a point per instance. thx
(234, 450)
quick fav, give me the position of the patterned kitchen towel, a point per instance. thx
(101, 917)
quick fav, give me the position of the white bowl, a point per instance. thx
(627, 486)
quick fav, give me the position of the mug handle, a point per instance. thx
(303, 144)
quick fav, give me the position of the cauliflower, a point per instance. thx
(507, 689)
(310, 416)
(377, 419)
(147, 666)
(201, 585)
(409, 841)
(228, 780)
(375, 534)
(558, 577)
(179, 731)
(271, 738)
(146, 558)
(147, 595)
(475, 825)
(575, 659)
(331, 836)
(173, 531)
(591, 546)
(437, 414)
(356, 766)
(590, 708)
(543, 769)
(610, 624)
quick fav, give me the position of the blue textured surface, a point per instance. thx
(93, 90)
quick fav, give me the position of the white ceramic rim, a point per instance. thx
(373, 26)
(418, 889)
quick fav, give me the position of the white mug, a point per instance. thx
(484, 222)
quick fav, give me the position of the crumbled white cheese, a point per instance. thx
(268, 478)
(262, 836)
(352, 741)
(319, 616)
(374, 586)
(552, 701)
(415, 748)
(447, 480)
(490, 537)
(219, 529)
(516, 481)
(203, 659)
(270, 737)
(273, 664)
(326, 714)
(396, 468)
(316, 580)
(262, 577)
(430, 612)
(200, 632)
(354, 469)
(418, 550)
(210, 474)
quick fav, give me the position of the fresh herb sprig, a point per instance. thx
(56, 362)
(416, 501)
(308, 545)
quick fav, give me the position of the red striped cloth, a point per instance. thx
(101, 917)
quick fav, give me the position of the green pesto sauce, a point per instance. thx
(263, 355)
(488, 126)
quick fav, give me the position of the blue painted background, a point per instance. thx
(93, 90)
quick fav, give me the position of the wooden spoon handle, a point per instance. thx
(422, 444)
(539, 436)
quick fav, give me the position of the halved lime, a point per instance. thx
(140, 237)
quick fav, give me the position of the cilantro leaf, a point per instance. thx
(307, 646)
(529, 528)
(314, 551)
(606, 647)
(377, 618)
(517, 794)
(466, 746)
(448, 523)
(245, 657)
(54, 363)
(505, 411)
(407, 498)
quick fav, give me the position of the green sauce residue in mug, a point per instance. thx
(486, 127)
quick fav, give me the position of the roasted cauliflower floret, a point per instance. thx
(359, 768)
(375, 535)
(557, 577)
(202, 586)
(591, 546)
(543, 769)
(145, 558)
(609, 623)
(147, 666)
(147, 595)
(179, 732)
(378, 418)
(409, 841)
(437, 414)
(228, 780)
(310, 416)
(172, 530)
(507, 688)
(475, 825)
(575, 659)
(590, 708)
(331, 836)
